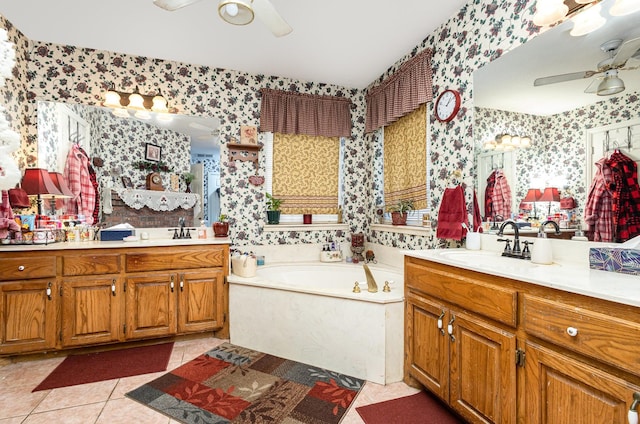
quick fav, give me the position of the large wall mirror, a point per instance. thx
(567, 121)
(186, 144)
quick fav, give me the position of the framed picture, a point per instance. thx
(126, 182)
(152, 152)
(248, 134)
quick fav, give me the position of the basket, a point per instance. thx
(244, 265)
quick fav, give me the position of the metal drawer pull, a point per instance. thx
(171, 285)
(633, 412)
(49, 291)
(440, 326)
(21, 268)
(182, 284)
(572, 331)
(113, 287)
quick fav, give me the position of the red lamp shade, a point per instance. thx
(551, 194)
(36, 181)
(533, 195)
(61, 184)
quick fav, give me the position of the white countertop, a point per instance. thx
(574, 277)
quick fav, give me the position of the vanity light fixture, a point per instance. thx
(588, 21)
(624, 7)
(122, 102)
(549, 12)
(236, 12)
(507, 142)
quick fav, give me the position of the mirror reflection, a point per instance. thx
(118, 148)
(570, 126)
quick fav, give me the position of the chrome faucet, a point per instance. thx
(372, 287)
(508, 251)
(542, 234)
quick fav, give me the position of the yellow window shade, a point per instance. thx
(405, 163)
(305, 173)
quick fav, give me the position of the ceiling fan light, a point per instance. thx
(624, 7)
(610, 85)
(587, 21)
(549, 12)
(242, 9)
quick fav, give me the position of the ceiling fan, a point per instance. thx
(240, 12)
(608, 82)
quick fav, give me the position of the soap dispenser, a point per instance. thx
(541, 252)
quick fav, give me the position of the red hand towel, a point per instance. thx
(452, 214)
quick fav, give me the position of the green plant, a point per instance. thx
(188, 177)
(273, 204)
(404, 205)
(222, 218)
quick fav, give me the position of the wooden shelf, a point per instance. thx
(244, 153)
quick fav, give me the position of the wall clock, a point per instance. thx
(447, 105)
(154, 181)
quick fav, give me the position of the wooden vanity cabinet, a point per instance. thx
(456, 352)
(92, 298)
(82, 297)
(518, 352)
(27, 303)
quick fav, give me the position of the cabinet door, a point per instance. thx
(482, 370)
(151, 305)
(563, 390)
(426, 344)
(200, 306)
(28, 311)
(91, 310)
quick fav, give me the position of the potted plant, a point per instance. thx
(273, 209)
(400, 210)
(188, 177)
(221, 226)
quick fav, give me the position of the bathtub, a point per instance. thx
(309, 313)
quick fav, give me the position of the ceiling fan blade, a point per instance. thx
(172, 5)
(625, 51)
(563, 77)
(593, 87)
(267, 13)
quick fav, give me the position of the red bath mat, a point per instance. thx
(421, 408)
(100, 366)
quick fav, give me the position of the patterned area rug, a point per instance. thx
(231, 384)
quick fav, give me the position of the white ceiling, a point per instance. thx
(344, 42)
(507, 83)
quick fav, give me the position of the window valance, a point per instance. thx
(288, 112)
(401, 93)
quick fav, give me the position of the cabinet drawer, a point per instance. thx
(18, 268)
(175, 258)
(98, 264)
(492, 301)
(604, 337)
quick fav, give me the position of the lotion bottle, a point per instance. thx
(202, 231)
(541, 252)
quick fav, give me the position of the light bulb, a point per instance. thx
(624, 7)
(549, 12)
(587, 21)
(159, 104)
(136, 101)
(232, 9)
(111, 99)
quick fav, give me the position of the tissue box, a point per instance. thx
(626, 261)
(115, 235)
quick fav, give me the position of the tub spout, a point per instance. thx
(372, 287)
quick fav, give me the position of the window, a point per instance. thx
(306, 172)
(401, 164)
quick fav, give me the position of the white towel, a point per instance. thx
(107, 207)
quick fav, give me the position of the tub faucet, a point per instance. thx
(515, 252)
(541, 232)
(372, 287)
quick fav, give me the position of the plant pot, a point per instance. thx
(188, 190)
(399, 218)
(221, 229)
(273, 217)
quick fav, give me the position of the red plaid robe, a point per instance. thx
(76, 172)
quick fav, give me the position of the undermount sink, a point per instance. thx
(485, 259)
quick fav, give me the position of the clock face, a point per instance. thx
(447, 105)
(156, 179)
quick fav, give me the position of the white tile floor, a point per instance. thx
(104, 402)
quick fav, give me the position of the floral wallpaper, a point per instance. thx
(558, 150)
(481, 31)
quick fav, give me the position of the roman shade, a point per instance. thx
(288, 112)
(405, 90)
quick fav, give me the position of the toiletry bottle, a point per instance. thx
(542, 252)
(202, 231)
